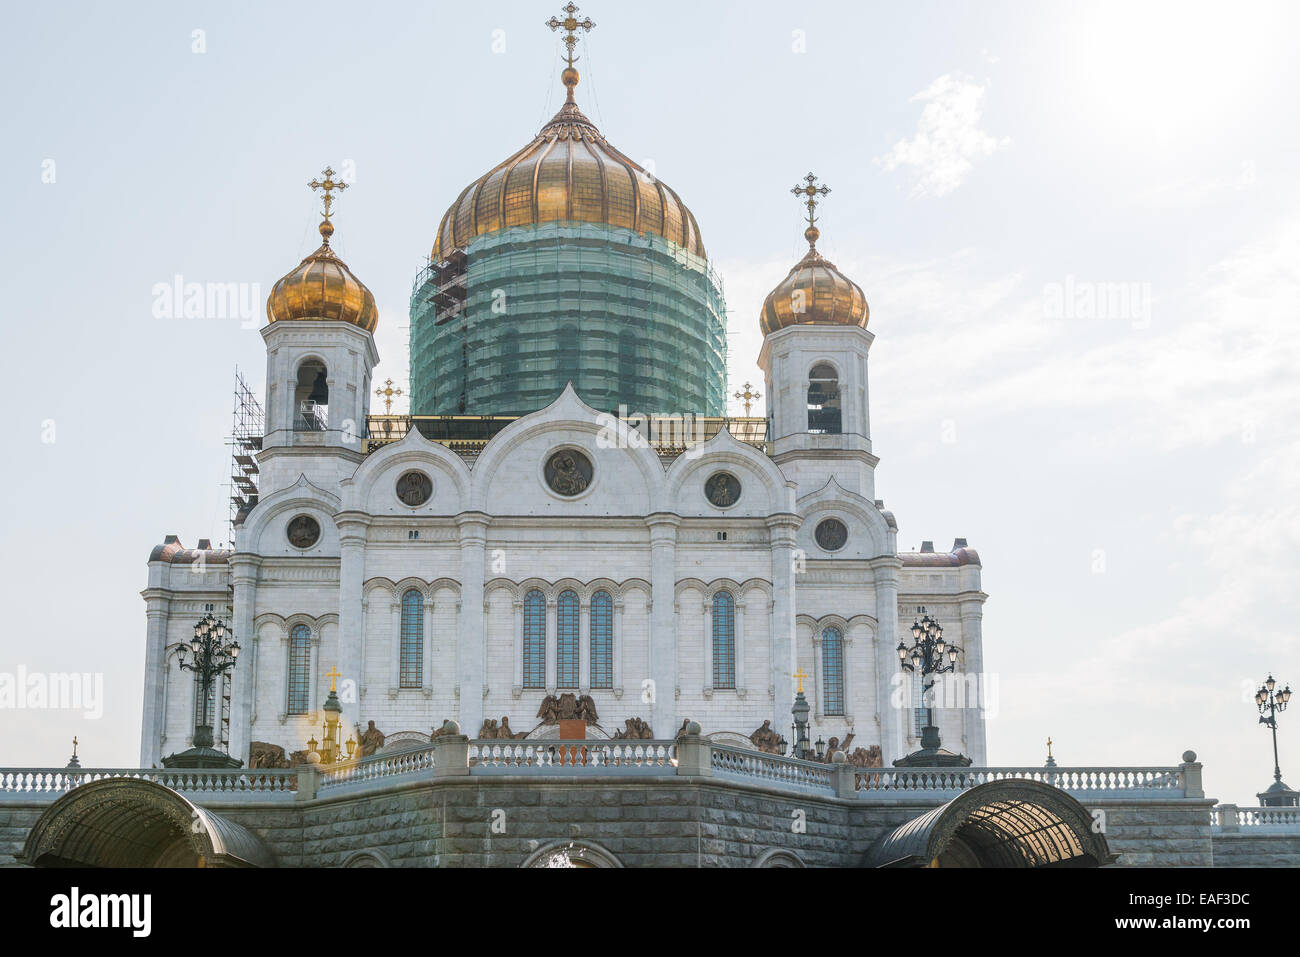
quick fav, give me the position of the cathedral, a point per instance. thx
(568, 510)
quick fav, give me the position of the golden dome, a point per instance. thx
(814, 292)
(322, 287)
(568, 172)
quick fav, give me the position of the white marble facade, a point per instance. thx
(643, 532)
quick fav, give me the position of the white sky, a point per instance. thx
(1129, 481)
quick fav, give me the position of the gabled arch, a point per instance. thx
(568, 414)
(412, 450)
(832, 500)
(301, 496)
(725, 450)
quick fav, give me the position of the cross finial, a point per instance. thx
(1049, 747)
(799, 676)
(74, 745)
(570, 25)
(810, 191)
(388, 392)
(328, 184)
(333, 674)
(748, 397)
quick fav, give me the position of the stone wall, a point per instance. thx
(1256, 850)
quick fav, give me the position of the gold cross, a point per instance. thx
(812, 191)
(329, 184)
(1049, 747)
(388, 392)
(331, 675)
(570, 25)
(800, 674)
(74, 745)
(748, 397)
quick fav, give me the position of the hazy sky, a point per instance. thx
(1128, 477)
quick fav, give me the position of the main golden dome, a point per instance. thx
(814, 292)
(322, 287)
(569, 172)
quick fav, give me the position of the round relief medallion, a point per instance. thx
(304, 532)
(568, 472)
(722, 489)
(414, 488)
(831, 534)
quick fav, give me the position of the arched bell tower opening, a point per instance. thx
(824, 400)
(311, 397)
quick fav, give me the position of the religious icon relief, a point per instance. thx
(304, 532)
(722, 489)
(831, 534)
(568, 472)
(414, 488)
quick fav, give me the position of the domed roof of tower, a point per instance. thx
(814, 291)
(568, 173)
(321, 287)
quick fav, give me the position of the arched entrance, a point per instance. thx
(131, 822)
(1011, 823)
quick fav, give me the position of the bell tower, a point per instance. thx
(814, 362)
(320, 355)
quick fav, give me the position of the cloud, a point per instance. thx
(948, 140)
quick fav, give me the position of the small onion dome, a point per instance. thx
(814, 292)
(568, 173)
(322, 287)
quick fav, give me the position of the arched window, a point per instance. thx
(311, 397)
(823, 400)
(299, 670)
(724, 640)
(566, 643)
(602, 640)
(534, 640)
(832, 671)
(411, 654)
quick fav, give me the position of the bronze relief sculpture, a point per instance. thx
(414, 488)
(303, 532)
(722, 489)
(568, 472)
(831, 534)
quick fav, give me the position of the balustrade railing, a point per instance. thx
(1167, 781)
(375, 767)
(1230, 817)
(54, 781)
(487, 754)
(741, 762)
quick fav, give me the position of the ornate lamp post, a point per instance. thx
(929, 655)
(214, 652)
(1270, 701)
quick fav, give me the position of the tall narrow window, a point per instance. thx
(299, 669)
(832, 671)
(566, 623)
(411, 663)
(602, 640)
(823, 400)
(724, 640)
(534, 640)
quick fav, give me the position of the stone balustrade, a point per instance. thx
(375, 767)
(1255, 820)
(24, 784)
(1093, 782)
(771, 768)
(491, 755)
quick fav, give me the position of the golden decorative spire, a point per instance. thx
(811, 191)
(800, 675)
(748, 397)
(333, 674)
(387, 392)
(329, 184)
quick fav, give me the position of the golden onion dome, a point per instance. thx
(322, 287)
(814, 292)
(569, 172)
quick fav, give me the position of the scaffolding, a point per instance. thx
(245, 442)
(629, 318)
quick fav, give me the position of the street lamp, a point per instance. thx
(214, 651)
(930, 654)
(1270, 701)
